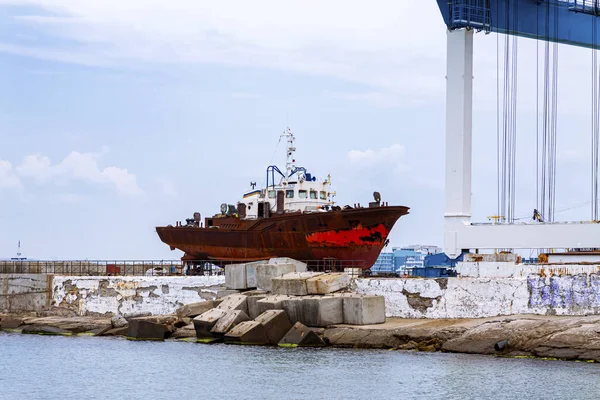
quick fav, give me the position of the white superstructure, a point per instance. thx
(296, 191)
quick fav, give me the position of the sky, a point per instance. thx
(117, 116)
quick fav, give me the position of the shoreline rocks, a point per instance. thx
(548, 337)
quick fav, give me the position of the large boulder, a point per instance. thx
(45, 330)
(11, 323)
(136, 314)
(118, 321)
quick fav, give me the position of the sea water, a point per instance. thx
(48, 367)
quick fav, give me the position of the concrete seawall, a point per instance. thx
(25, 292)
(132, 294)
(486, 297)
(568, 295)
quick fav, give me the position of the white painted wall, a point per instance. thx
(487, 297)
(132, 294)
(495, 269)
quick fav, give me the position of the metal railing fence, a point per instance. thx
(153, 267)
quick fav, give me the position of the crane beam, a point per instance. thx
(563, 21)
(529, 18)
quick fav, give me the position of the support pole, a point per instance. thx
(459, 122)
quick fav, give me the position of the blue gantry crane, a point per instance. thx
(572, 22)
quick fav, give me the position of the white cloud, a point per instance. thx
(78, 166)
(391, 154)
(8, 179)
(379, 43)
(391, 157)
(167, 186)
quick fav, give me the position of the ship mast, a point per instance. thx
(290, 162)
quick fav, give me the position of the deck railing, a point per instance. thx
(153, 267)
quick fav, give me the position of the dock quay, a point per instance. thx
(548, 311)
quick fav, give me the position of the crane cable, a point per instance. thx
(549, 128)
(507, 144)
(595, 119)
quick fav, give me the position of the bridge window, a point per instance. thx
(289, 194)
(323, 195)
(313, 194)
(302, 194)
(271, 194)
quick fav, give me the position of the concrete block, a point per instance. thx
(227, 292)
(194, 309)
(323, 311)
(228, 321)
(254, 292)
(299, 265)
(294, 308)
(270, 303)
(205, 322)
(251, 281)
(327, 283)
(364, 310)
(276, 324)
(266, 272)
(301, 336)
(143, 329)
(253, 306)
(235, 276)
(248, 332)
(293, 284)
(234, 302)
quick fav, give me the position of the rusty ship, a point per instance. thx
(295, 217)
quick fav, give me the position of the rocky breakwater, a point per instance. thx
(555, 337)
(290, 308)
(268, 303)
(279, 303)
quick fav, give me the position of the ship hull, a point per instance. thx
(354, 235)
